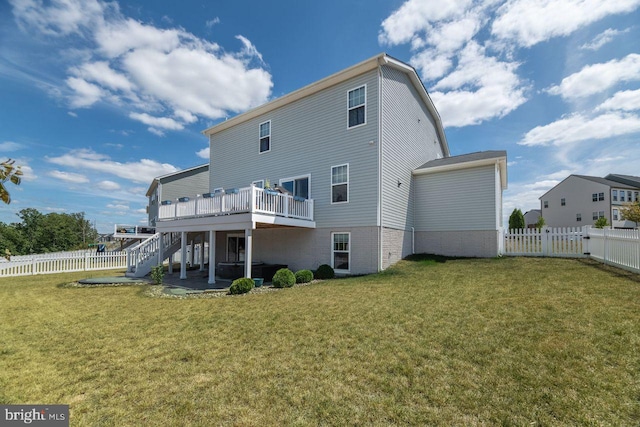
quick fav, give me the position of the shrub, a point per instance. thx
(241, 286)
(304, 276)
(157, 274)
(325, 272)
(284, 278)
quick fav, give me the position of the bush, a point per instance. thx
(241, 286)
(157, 274)
(325, 272)
(304, 276)
(284, 278)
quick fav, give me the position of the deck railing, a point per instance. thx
(249, 199)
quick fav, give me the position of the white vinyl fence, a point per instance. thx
(620, 248)
(62, 262)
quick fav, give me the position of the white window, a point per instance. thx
(340, 252)
(601, 214)
(546, 204)
(298, 186)
(629, 196)
(622, 194)
(594, 197)
(340, 184)
(601, 196)
(578, 217)
(614, 197)
(595, 215)
(357, 100)
(563, 202)
(615, 214)
(265, 136)
(637, 195)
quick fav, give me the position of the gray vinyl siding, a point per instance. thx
(409, 139)
(577, 193)
(456, 200)
(309, 136)
(188, 184)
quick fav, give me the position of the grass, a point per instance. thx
(515, 341)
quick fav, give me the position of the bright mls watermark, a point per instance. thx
(37, 415)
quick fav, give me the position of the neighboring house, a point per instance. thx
(170, 187)
(360, 176)
(580, 200)
(531, 218)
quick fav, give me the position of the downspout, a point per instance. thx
(380, 129)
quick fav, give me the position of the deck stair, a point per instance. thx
(142, 257)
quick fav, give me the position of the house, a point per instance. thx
(353, 170)
(532, 217)
(174, 185)
(580, 200)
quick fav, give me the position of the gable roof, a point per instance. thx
(339, 77)
(596, 179)
(175, 174)
(624, 179)
(465, 161)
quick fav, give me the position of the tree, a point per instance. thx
(8, 172)
(631, 212)
(541, 223)
(601, 222)
(516, 220)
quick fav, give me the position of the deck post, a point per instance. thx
(248, 243)
(183, 255)
(212, 257)
(161, 249)
(202, 238)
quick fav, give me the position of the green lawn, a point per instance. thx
(515, 341)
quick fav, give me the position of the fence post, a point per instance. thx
(586, 239)
(544, 237)
(33, 265)
(86, 261)
(606, 245)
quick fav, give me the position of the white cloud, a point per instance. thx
(603, 38)
(579, 127)
(528, 22)
(107, 185)
(598, 78)
(118, 206)
(142, 171)
(156, 122)
(74, 178)
(211, 22)
(10, 146)
(480, 88)
(627, 100)
(144, 69)
(204, 153)
(415, 16)
(85, 94)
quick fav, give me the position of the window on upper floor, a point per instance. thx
(600, 196)
(578, 217)
(545, 204)
(594, 197)
(265, 136)
(622, 196)
(614, 195)
(298, 186)
(636, 196)
(340, 184)
(563, 202)
(629, 199)
(357, 101)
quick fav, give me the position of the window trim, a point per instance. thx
(601, 197)
(348, 251)
(341, 183)
(578, 217)
(293, 178)
(563, 202)
(615, 215)
(261, 181)
(358, 106)
(545, 204)
(594, 197)
(260, 137)
(614, 195)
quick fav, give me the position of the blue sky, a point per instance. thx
(97, 98)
